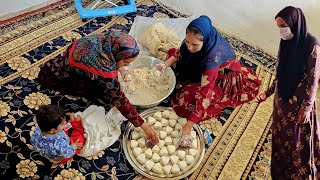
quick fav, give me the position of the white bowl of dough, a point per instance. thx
(165, 160)
(148, 87)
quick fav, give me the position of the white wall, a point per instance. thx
(251, 20)
(11, 8)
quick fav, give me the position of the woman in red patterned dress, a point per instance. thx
(211, 76)
(89, 69)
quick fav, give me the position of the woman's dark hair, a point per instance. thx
(195, 31)
(49, 116)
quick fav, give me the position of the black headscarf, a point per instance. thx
(293, 53)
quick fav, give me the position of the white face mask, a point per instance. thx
(285, 33)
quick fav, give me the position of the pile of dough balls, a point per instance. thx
(164, 157)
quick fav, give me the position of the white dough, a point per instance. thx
(178, 127)
(137, 151)
(175, 133)
(155, 157)
(189, 159)
(151, 120)
(167, 169)
(168, 140)
(155, 149)
(157, 168)
(135, 135)
(171, 149)
(137, 129)
(161, 143)
(193, 134)
(175, 141)
(157, 115)
(163, 134)
(175, 169)
(181, 154)
(165, 160)
(182, 165)
(182, 121)
(149, 164)
(173, 115)
(169, 130)
(148, 153)
(141, 158)
(193, 152)
(164, 122)
(163, 152)
(174, 159)
(134, 144)
(172, 122)
(142, 142)
(141, 133)
(194, 144)
(166, 114)
(157, 125)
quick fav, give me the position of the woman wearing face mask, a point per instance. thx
(211, 76)
(295, 129)
(89, 69)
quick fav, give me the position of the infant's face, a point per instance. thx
(61, 125)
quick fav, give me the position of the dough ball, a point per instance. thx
(141, 158)
(157, 168)
(160, 143)
(172, 122)
(168, 140)
(135, 135)
(175, 134)
(182, 121)
(137, 151)
(164, 122)
(173, 115)
(178, 127)
(163, 134)
(182, 165)
(155, 157)
(167, 169)
(157, 125)
(193, 134)
(171, 149)
(142, 142)
(134, 144)
(181, 154)
(174, 159)
(175, 169)
(155, 149)
(137, 129)
(175, 141)
(163, 152)
(189, 159)
(194, 144)
(151, 120)
(165, 160)
(148, 153)
(168, 129)
(193, 152)
(149, 164)
(157, 116)
(166, 114)
(142, 134)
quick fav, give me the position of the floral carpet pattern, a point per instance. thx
(24, 48)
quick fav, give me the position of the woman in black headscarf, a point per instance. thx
(295, 129)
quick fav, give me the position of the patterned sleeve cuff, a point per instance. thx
(173, 52)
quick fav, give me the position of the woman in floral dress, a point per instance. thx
(89, 69)
(295, 128)
(211, 76)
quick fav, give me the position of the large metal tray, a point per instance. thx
(149, 174)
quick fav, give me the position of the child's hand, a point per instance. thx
(73, 118)
(77, 144)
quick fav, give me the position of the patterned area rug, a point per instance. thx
(241, 147)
